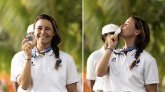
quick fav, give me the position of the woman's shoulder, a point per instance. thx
(18, 57)
(96, 53)
(64, 55)
(147, 56)
(19, 54)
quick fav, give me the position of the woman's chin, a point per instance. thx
(42, 42)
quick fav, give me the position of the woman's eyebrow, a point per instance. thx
(47, 27)
(39, 26)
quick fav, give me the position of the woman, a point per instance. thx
(131, 69)
(42, 67)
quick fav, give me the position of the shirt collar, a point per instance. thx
(48, 51)
(130, 50)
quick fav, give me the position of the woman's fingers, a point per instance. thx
(112, 41)
(27, 47)
(24, 41)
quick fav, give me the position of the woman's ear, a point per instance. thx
(137, 32)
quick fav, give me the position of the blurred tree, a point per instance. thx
(17, 15)
(97, 13)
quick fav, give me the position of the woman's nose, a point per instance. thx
(43, 31)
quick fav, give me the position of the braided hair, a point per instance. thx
(142, 39)
(55, 40)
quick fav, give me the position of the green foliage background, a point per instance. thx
(16, 15)
(97, 13)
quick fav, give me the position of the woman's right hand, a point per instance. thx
(27, 48)
(111, 41)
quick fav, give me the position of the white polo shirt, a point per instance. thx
(91, 67)
(122, 79)
(45, 77)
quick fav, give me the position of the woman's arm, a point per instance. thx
(24, 79)
(72, 87)
(151, 88)
(91, 84)
(15, 85)
(103, 65)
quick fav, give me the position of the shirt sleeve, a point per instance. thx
(91, 68)
(72, 74)
(151, 72)
(22, 90)
(16, 66)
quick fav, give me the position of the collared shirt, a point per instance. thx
(91, 67)
(45, 77)
(122, 79)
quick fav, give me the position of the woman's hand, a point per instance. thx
(111, 41)
(27, 48)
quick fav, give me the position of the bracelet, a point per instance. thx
(110, 49)
(28, 59)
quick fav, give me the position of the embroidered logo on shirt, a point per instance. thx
(32, 63)
(137, 61)
(113, 60)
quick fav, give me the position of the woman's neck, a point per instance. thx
(129, 43)
(42, 47)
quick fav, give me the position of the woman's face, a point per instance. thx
(128, 28)
(43, 31)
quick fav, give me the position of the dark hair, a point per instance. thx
(55, 40)
(103, 38)
(142, 39)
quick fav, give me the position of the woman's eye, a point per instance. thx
(39, 28)
(47, 29)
